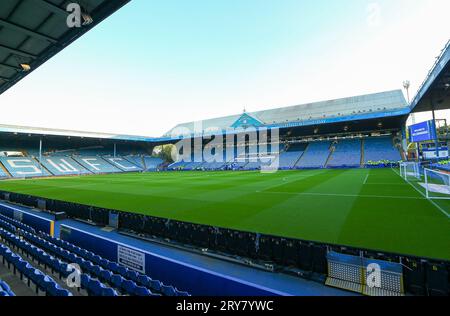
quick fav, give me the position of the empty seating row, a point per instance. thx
(316, 155)
(93, 286)
(347, 153)
(126, 281)
(20, 167)
(60, 166)
(5, 290)
(136, 160)
(114, 273)
(41, 280)
(123, 164)
(3, 174)
(96, 164)
(152, 163)
(14, 223)
(380, 148)
(90, 278)
(289, 158)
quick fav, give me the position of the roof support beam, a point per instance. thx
(51, 7)
(4, 79)
(26, 31)
(9, 67)
(17, 52)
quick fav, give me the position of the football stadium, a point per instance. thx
(305, 200)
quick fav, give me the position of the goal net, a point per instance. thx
(437, 184)
(410, 171)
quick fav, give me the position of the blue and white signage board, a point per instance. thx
(422, 132)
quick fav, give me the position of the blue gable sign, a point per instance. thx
(246, 121)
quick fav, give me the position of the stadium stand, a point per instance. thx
(290, 157)
(380, 148)
(95, 151)
(101, 277)
(21, 167)
(123, 164)
(443, 165)
(152, 163)
(347, 153)
(5, 289)
(61, 166)
(12, 243)
(316, 155)
(96, 164)
(136, 160)
(3, 174)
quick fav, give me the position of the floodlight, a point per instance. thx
(25, 67)
(87, 19)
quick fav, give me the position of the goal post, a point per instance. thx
(410, 171)
(437, 184)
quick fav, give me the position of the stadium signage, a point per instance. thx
(131, 258)
(422, 132)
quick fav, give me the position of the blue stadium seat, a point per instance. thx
(20, 167)
(96, 164)
(109, 292)
(117, 280)
(347, 153)
(136, 160)
(316, 155)
(288, 159)
(142, 291)
(95, 287)
(106, 275)
(61, 166)
(112, 266)
(123, 164)
(132, 275)
(155, 285)
(129, 286)
(5, 287)
(168, 290)
(181, 293)
(144, 280)
(152, 163)
(127, 281)
(3, 174)
(379, 149)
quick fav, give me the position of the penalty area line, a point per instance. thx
(346, 195)
(365, 180)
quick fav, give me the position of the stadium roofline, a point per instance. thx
(70, 133)
(434, 93)
(32, 32)
(362, 107)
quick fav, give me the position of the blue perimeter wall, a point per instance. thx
(186, 277)
(39, 223)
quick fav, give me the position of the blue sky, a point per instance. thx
(155, 64)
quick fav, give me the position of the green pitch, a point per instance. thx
(373, 209)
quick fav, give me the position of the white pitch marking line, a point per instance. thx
(346, 195)
(365, 180)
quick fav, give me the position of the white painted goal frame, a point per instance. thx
(410, 169)
(437, 184)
